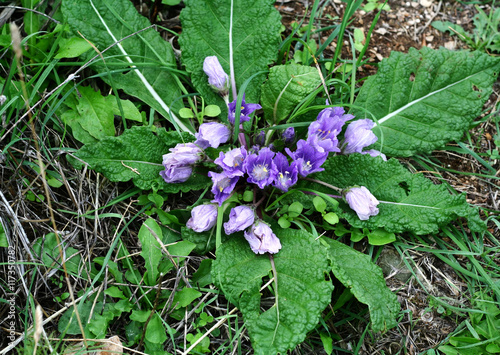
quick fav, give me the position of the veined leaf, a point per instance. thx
(146, 57)
(137, 155)
(229, 30)
(409, 202)
(300, 295)
(286, 87)
(366, 281)
(151, 250)
(426, 98)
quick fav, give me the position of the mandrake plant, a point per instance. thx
(283, 162)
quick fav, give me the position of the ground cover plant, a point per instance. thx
(249, 146)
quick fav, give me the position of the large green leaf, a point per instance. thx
(286, 87)
(208, 28)
(366, 281)
(409, 202)
(137, 155)
(300, 295)
(426, 98)
(151, 252)
(147, 59)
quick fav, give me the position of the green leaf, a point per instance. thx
(151, 250)
(93, 119)
(409, 202)
(301, 293)
(366, 281)
(140, 316)
(255, 37)
(295, 209)
(212, 111)
(155, 330)
(319, 204)
(202, 277)
(107, 22)
(331, 218)
(286, 87)
(381, 237)
(137, 155)
(186, 296)
(426, 98)
(284, 222)
(73, 47)
(129, 109)
(114, 291)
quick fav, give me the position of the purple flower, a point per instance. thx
(203, 217)
(212, 134)
(359, 135)
(307, 158)
(260, 167)
(246, 109)
(217, 77)
(262, 239)
(185, 154)
(260, 138)
(286, 173)
(176, 173)
(232, 162)
(288, 135)
(322, 133)
(223, 186)
(240, 218)
(362, 202)
(375, 153)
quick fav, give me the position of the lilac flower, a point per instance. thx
(307, 158)
(240, 218)
(223, 186)
(362, 202)
(288, 135)
(232, 162)
(260, 167)
(176, 173)
(178, 163)
(260, 138)
(287, 173)
(217, 77)
(187, 153)
(322, 133)
(359, 135)
(375, 153)
(246, 109)
(262, 239)
(212, 134)
(203, 217)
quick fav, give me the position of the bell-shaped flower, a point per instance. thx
(286, 173)
(307, 158)
(262, 239)
(359, 135)
(362, 202)
(186, 153)
(212, 134)
(223, 186)
(240, 218)
(203, 217)
(260, 167)
(176, 173)
(375, 153)
(232, 162)
(246, 110)
(322, 133)
(178, 163)
(217, 77)
(288, 135)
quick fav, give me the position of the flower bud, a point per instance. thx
(212, 134)
(217, 77)
(262, 239)
(240, 218)
(288, 135)
(362, 202)
(203, 217)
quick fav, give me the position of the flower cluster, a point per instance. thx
(263, 166)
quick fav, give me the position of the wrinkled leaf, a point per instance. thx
(409, 202)
(286, 87)
(366, 281)
(298, 299)
(137, 155)
(205, 32)
(426, 98)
